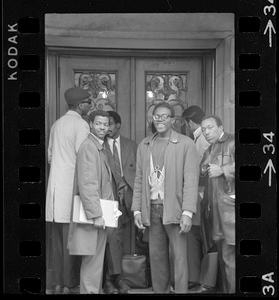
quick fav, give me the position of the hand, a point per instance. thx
(214, 170)
(204, 169)
(185, 224)
(138, 221)
(99, 222)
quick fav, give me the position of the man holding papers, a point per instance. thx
(93, 181)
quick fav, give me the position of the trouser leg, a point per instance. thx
(91, 271)
(71, 263)
(55, 255)
(113, 254)
(178, 244)
(209, 269)
(49, 271)
(194, 248)
(221, 278)
(228, 256)
(159, 252)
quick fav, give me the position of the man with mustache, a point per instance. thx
(218, 205)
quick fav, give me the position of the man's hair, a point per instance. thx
(96, 113)
(115, 116)
(164, 104)
(194, 113)
(216, 118)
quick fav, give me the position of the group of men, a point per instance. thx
(180, 189)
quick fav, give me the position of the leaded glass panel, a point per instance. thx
(101, 87)
(170, 88)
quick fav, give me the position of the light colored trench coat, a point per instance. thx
(66, 136)
(93, 181)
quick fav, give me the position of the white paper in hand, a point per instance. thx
(111, 213)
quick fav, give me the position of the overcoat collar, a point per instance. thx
(100, 147)
(96, 142)
(224, 137)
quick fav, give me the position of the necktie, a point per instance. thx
(116, 162)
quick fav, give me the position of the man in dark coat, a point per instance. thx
(202, 266)
(121, 154)
(218, 204)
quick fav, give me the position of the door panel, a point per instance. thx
(174, 80)
(107, 79)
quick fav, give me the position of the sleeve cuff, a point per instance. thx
(136, 212)
(187, 213)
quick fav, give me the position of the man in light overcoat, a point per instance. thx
(66, 136)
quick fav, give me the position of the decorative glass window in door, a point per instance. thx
(171, 88)
(101, 87)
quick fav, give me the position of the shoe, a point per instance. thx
(110, 289)
(57, 289)
(202, 289)
(122, 286)
(66, 290)
(75, 290)
(192, 285)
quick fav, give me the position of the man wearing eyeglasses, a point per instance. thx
(66, 136)
(165, 198)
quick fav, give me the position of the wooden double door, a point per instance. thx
(132, 86)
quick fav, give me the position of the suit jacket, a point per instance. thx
(128, 160)
(93, 180)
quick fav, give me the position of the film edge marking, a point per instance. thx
(12, 51)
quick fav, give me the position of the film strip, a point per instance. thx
(25, 144)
